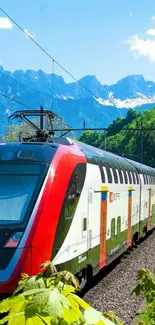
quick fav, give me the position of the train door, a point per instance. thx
(93, 228)
(89, 223)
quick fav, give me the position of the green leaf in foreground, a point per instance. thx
(7, 304)
(93, 316)
(49, 299)
(48, 303)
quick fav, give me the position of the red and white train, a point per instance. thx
(71, 203)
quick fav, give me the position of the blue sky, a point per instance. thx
(107, 38)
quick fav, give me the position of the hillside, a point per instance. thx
(134, 144)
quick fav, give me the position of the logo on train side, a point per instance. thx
(114, 196)
(111, 197)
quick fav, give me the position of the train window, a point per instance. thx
(130, 178)
(20, 184)
(144, 179)
(134, 178)
(137, 177)
(118, 225)
(125, 176)
(109, 174)
(72, 192)
(102, 173)
(112, 228)
(120, 176)
(71, 202)
(115, 175)
(84, 223)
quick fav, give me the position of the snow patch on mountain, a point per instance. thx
(128, 102)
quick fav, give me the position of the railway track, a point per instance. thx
(111, 289)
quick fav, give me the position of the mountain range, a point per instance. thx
(97, 107)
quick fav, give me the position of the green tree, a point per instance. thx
(13, 132)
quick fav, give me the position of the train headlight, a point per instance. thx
(14, 240)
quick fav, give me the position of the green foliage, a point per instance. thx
(146, 286)
(111, 316)
(49, 298)
(128, 143)
(13, 131)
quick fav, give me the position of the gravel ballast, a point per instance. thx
(114, 291)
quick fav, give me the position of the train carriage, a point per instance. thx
(71, 203)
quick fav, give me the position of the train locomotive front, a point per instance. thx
(35, 179)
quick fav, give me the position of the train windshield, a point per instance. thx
(19, 187)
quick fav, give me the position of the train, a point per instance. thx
(70, 203)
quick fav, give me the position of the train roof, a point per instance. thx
(41, 151)
(108, 159)
(28, 151)
(112, 160)
(143, 169)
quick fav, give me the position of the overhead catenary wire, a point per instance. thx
(49, 55)
(16, 101)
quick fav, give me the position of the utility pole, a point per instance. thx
(105, 140)
(41, 118)
(141, 142)
(140, 127)
(141, 146)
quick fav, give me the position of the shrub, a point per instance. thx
(146, 286)
(49, 298)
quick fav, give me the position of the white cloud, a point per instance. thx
(143, 46)
(152, 18)
(150, 32)
(5, 23)
(30, 34)
(131, 14)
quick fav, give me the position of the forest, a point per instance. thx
(132, 137)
